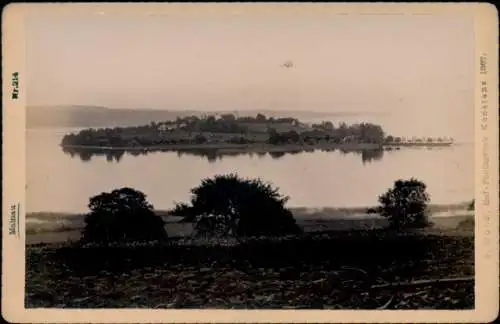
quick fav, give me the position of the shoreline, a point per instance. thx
(257, 147)
(298, 211)
(49, 228)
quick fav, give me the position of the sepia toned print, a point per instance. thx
(229, 158)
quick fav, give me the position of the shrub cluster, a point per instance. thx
(230, 206)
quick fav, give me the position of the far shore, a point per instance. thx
(256, 147)
(47, 227)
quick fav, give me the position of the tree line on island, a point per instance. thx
(230, 206)
(230, 129)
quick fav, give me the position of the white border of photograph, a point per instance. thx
(14, 174)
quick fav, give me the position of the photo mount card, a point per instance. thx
(221, 162)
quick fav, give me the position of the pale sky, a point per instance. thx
(415, 64)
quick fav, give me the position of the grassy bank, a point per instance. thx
(60, 227)
(298, 212)
(307, 271)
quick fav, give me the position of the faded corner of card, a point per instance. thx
(9, 314)
(490, 7)
(11, 9)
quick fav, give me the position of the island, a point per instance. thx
(231, 133)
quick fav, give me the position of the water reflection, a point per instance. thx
(213, 155)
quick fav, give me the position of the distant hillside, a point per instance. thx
(92, 116)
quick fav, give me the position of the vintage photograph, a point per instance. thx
(244, 159)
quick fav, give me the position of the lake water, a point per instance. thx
(58, 182)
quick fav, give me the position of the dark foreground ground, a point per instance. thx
(341, 270)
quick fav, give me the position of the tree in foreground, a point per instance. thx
(471, 205)
(405, 204)
(227, 205)
(469, 222)
(122, 215)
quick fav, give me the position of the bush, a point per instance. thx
(228, 205)
(467, 223)
(405, 205)
(200, 139)
(122, 215)
(472, 205)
